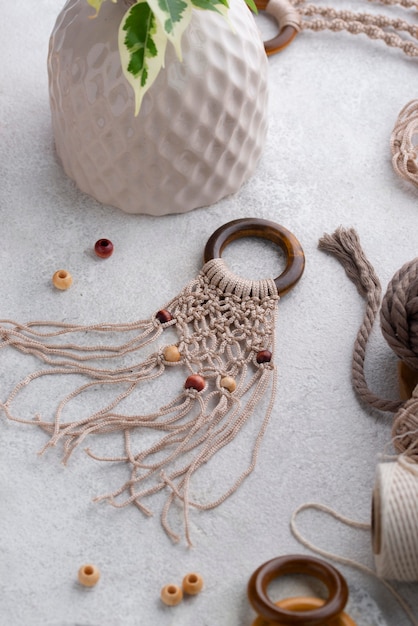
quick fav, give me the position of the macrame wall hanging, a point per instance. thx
(296, 16)
(223, 344)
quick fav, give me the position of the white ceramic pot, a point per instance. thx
(201, 127)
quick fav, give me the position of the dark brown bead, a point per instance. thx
(164, 316)
(264, 356)
(103, 248)
(195, 382)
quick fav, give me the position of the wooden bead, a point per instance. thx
(88, 575)
(264, 356)
(172, 354)
(227, 382)
(192, 584)
(195, 382)
(171, 595)
(103, 248)
(164, 316)
(62, 279)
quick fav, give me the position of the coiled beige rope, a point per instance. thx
(399, 323)
(404, 143)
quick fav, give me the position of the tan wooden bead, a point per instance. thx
(171, 594)
(227, 382)
(172, 354)
(62, 279)
(88, 575)
(192, 583)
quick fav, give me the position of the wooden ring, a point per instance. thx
(297, 564)
(285, 35)
(253, 227)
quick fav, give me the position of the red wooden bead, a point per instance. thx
(103, 248)
(164, 316)
(195, 382)
(264, 356)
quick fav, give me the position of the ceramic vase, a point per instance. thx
(201, 128)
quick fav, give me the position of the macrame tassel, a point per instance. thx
(222, 324)
(399, 325)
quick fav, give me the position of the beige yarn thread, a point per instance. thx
(397, 484)
(399, 523)
(221, 322)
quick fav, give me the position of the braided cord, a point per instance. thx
(380, 27)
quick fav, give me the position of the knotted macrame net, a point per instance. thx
(220, 327)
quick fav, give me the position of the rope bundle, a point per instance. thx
(399, 325)
(404, 149)
(394, 527)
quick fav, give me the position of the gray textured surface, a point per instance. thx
(334, 99)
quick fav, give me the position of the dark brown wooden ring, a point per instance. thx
(297, 564)
(254, 227)
(283, 38)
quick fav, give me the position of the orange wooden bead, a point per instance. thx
(227, 382)
(62, 279)
(172, 354)
(88, 575)
(171, 594)
(192, 584)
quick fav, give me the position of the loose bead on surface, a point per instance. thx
(195, 382)
(264, 356)
(164, 316)
(171, 595)
(172, 354)
(62, 279)
(229, 383)
(192, 583)
(88, 575)
(103, 248)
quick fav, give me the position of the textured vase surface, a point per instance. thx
(201, 127)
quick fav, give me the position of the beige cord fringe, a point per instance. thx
(221, 321)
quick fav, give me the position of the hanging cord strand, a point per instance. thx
(345, 245)
(374, 26)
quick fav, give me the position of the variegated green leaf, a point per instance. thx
(174, 16)
(251, 5)
(220, 6)
(142, 44)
